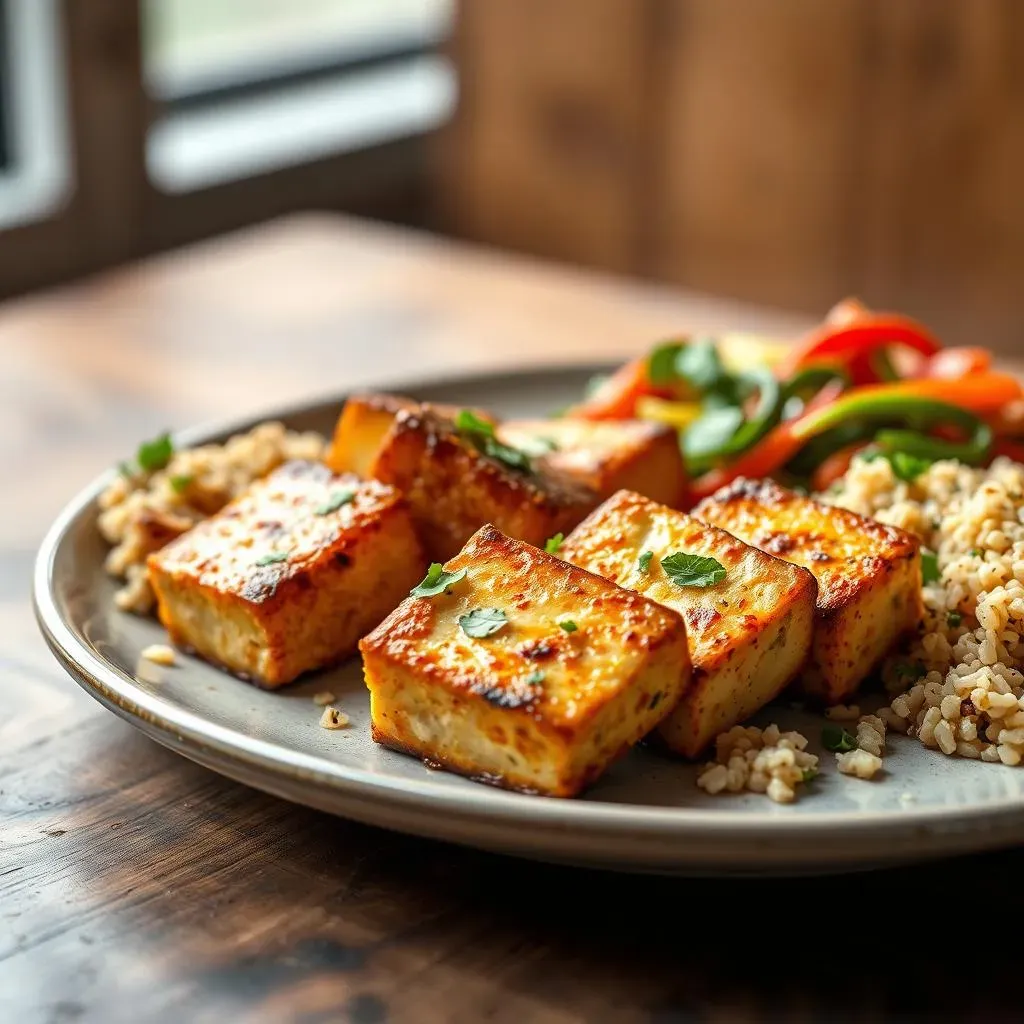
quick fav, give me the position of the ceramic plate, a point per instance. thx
(646, 814)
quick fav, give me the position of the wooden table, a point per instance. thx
(135, 886)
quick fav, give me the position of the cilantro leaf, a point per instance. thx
(336, 501)
(808, 774)
(693, 570)
(698, 363)
(180, 484)
(155, 454)
(954, 619)
(514, 458)
(468, 422)
(661, 363)
(271, 559)
(436, 581)
(552, 544)
(568, 625)
(837, 739)
(712, 431)
(930, 567)
(481, 622)
(644, 561)
(908, 467)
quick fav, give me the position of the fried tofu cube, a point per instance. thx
(607, 455)
(869, 575)
(360, 430)
(575, 671)
(749, 634)
(454, 484)
(289, 576)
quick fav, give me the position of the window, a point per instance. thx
(251, 86)
(34, 167)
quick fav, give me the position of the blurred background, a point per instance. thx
(788, 152)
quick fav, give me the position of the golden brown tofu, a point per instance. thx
(575, 670)
(360, 431)
(869, 575)
(607, 455)
(749, 633)
(289, 576)
(454, 487)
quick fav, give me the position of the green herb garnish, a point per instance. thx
(837, 739)
(908, 467)
(336, 500)
(552, 544)
(929, 567)
(535, 678)
(661, 363)
(808, 774)
(975, 553)
(180, 484)
(954, 619)
(698, 363)
(480, 433)
(644, 561)
(481, 622)
(715, 428)
(277, 556)
(568, 625)
(155, 454)
(436, 580)
(126, 469)
(693, 570)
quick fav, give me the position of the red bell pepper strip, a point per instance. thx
(855, 339)
(954, 363)
(616, 398)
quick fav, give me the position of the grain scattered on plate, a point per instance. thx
(160, 654)
(960, 687)
(332, 718)
(141, 511)
(765, 761)
(323, 697)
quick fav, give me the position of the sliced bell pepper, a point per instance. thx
(662, 410)
(616, 398)
(854, 340)
(954, 363)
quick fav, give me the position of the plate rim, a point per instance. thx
(182, 729)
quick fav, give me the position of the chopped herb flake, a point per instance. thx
(127, 470)
(929, 567)
(481, 622)
(644, 561)
(180, 484)
(975, 553)
(552, 544)
(954, 619)
(661, 363)
(908, 467)
(808, 774)
(155, 454)
(686, 570)
(436, 580)
(699, 364)
(468, 422)
(277, 556)
(336, 501)
(568, 625)
(837, 739)
(480, 433)
(909, 669)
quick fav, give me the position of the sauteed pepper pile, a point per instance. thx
(879, 384)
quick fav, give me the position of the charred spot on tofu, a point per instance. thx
(749, 633)
(530, 706)
(289, 576)
(869, 575)
(607, 456)
(454, 485)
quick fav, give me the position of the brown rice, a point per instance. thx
(142, 512)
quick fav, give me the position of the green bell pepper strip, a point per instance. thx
(918, 413)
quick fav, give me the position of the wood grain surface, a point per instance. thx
(135, 886)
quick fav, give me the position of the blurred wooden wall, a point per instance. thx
(784, 151)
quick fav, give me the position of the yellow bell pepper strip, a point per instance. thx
(616, 398)
(662, 410)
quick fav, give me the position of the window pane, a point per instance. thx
(190, 44)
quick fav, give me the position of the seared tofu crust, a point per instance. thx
(453, 488)
(749, 635)
(869, 575)
(608, 455)
(288, 577)
(536, 706)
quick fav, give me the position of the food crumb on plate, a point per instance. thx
(843, 712)
(860, 763)
(323, 697)
(765, 761)
(160, 654)
(332, 718)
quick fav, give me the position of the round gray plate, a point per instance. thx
(646, 814)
